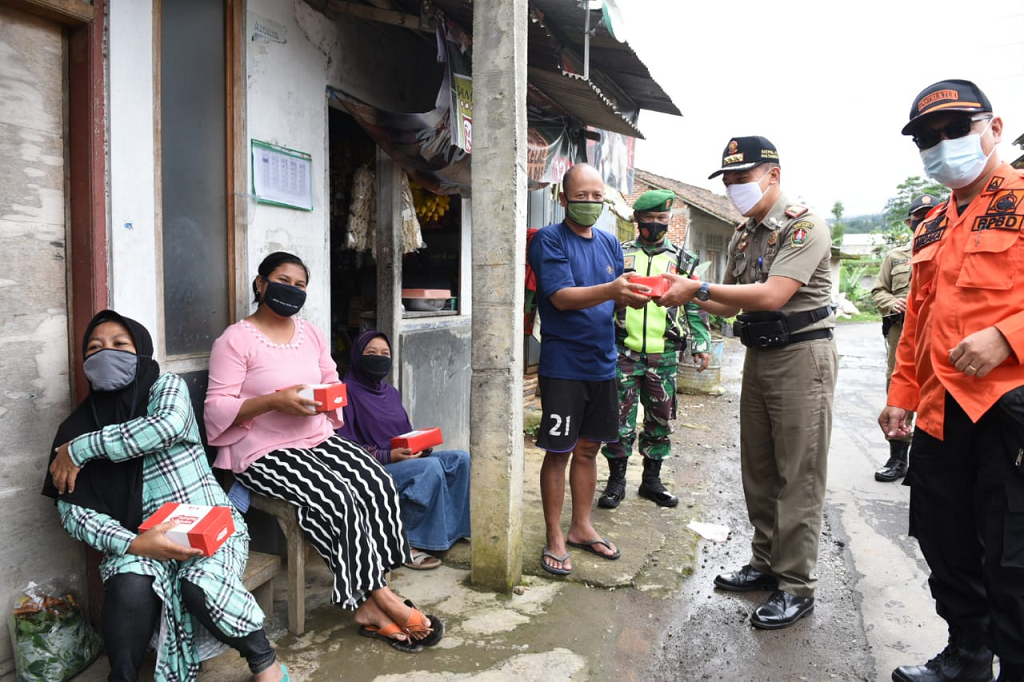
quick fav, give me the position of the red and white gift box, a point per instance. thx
(419, 439)
(656, 285)
(198, 526)
(330, 396)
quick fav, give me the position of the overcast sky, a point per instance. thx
(830, 84)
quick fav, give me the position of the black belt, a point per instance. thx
(800, 338)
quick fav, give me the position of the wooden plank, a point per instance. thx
(68, 12)
(383, 16)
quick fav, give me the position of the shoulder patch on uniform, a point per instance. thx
(799, 237)
(805, 224)
(1006, 201)
(795, 211)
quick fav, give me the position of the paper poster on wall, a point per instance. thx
(282, 176)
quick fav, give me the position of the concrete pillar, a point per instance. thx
(499, 243)
(389, 257)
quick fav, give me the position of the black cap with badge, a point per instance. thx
(923, 201)
(746, 152)
(947, 95)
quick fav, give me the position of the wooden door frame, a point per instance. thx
(88, 274)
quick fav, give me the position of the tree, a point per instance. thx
(838, 229)
(898, 207)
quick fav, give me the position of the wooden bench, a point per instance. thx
(258, 578)
(295, 544)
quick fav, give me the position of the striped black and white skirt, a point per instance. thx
(347, 505)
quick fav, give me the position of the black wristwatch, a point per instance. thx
(703, 294)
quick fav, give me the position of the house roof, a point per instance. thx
(617, 85)
(713, 204)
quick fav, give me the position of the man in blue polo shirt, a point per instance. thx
(580, 283)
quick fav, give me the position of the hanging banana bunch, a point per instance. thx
(430, 207)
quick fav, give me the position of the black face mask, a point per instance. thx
(653, 231)
(374, 366)
(283, 299)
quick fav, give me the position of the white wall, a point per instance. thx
(135, 269)
(287, 105)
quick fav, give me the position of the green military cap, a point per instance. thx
(655, 200)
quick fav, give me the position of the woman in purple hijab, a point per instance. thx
(433, 486)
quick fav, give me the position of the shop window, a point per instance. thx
(353, 158)
(433, 271)
(431, 275)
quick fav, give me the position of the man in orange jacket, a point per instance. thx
(959, 365)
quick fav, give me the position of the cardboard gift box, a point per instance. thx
(330, 396)
(198, 526)
(656, 284)
(419, 439)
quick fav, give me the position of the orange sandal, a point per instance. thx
(419, 623)
(388, 633)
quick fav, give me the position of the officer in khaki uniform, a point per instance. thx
(890, 296)
(778, 275)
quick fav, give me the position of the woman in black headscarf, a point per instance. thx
(129, 447)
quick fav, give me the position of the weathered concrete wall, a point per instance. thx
(34, 371)
(435, 374)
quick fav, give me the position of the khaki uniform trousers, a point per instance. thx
(893, 340)
(785, 428)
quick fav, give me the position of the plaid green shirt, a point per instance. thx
(174, 469)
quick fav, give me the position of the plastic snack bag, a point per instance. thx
(51, 637)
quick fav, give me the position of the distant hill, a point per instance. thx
(862, 224)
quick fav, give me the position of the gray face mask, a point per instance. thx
(110, 370)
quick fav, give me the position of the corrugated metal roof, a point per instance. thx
(583, 99)
(619, 83)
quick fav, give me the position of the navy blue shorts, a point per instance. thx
(577, 409)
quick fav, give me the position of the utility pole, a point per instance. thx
(498, 271)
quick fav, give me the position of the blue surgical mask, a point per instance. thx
(110, 369)
(958, 162)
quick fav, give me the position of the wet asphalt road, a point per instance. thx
(873, 610)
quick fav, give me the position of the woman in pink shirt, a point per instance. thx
(278, 446)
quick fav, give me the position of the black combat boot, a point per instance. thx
(965, 659)
(896, 467)
(651, 487)
(615, 491)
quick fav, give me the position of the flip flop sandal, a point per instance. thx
(421, 561)
(421, 623)
(552, 569)
(387, 633)
(589, 547)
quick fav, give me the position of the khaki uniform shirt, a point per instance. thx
(893, 280)
(790, 242)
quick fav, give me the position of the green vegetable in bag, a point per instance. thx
(51, 637)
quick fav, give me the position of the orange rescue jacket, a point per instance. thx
(968, 275)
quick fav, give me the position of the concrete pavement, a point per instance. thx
(594, 624)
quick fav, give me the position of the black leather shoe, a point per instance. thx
(747, 579)
(781, 610)
(953, 664)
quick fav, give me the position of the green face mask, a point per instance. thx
(584, 213)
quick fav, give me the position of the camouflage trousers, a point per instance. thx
(648, 379)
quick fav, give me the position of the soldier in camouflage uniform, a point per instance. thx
(890, 297)
(649, 340)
